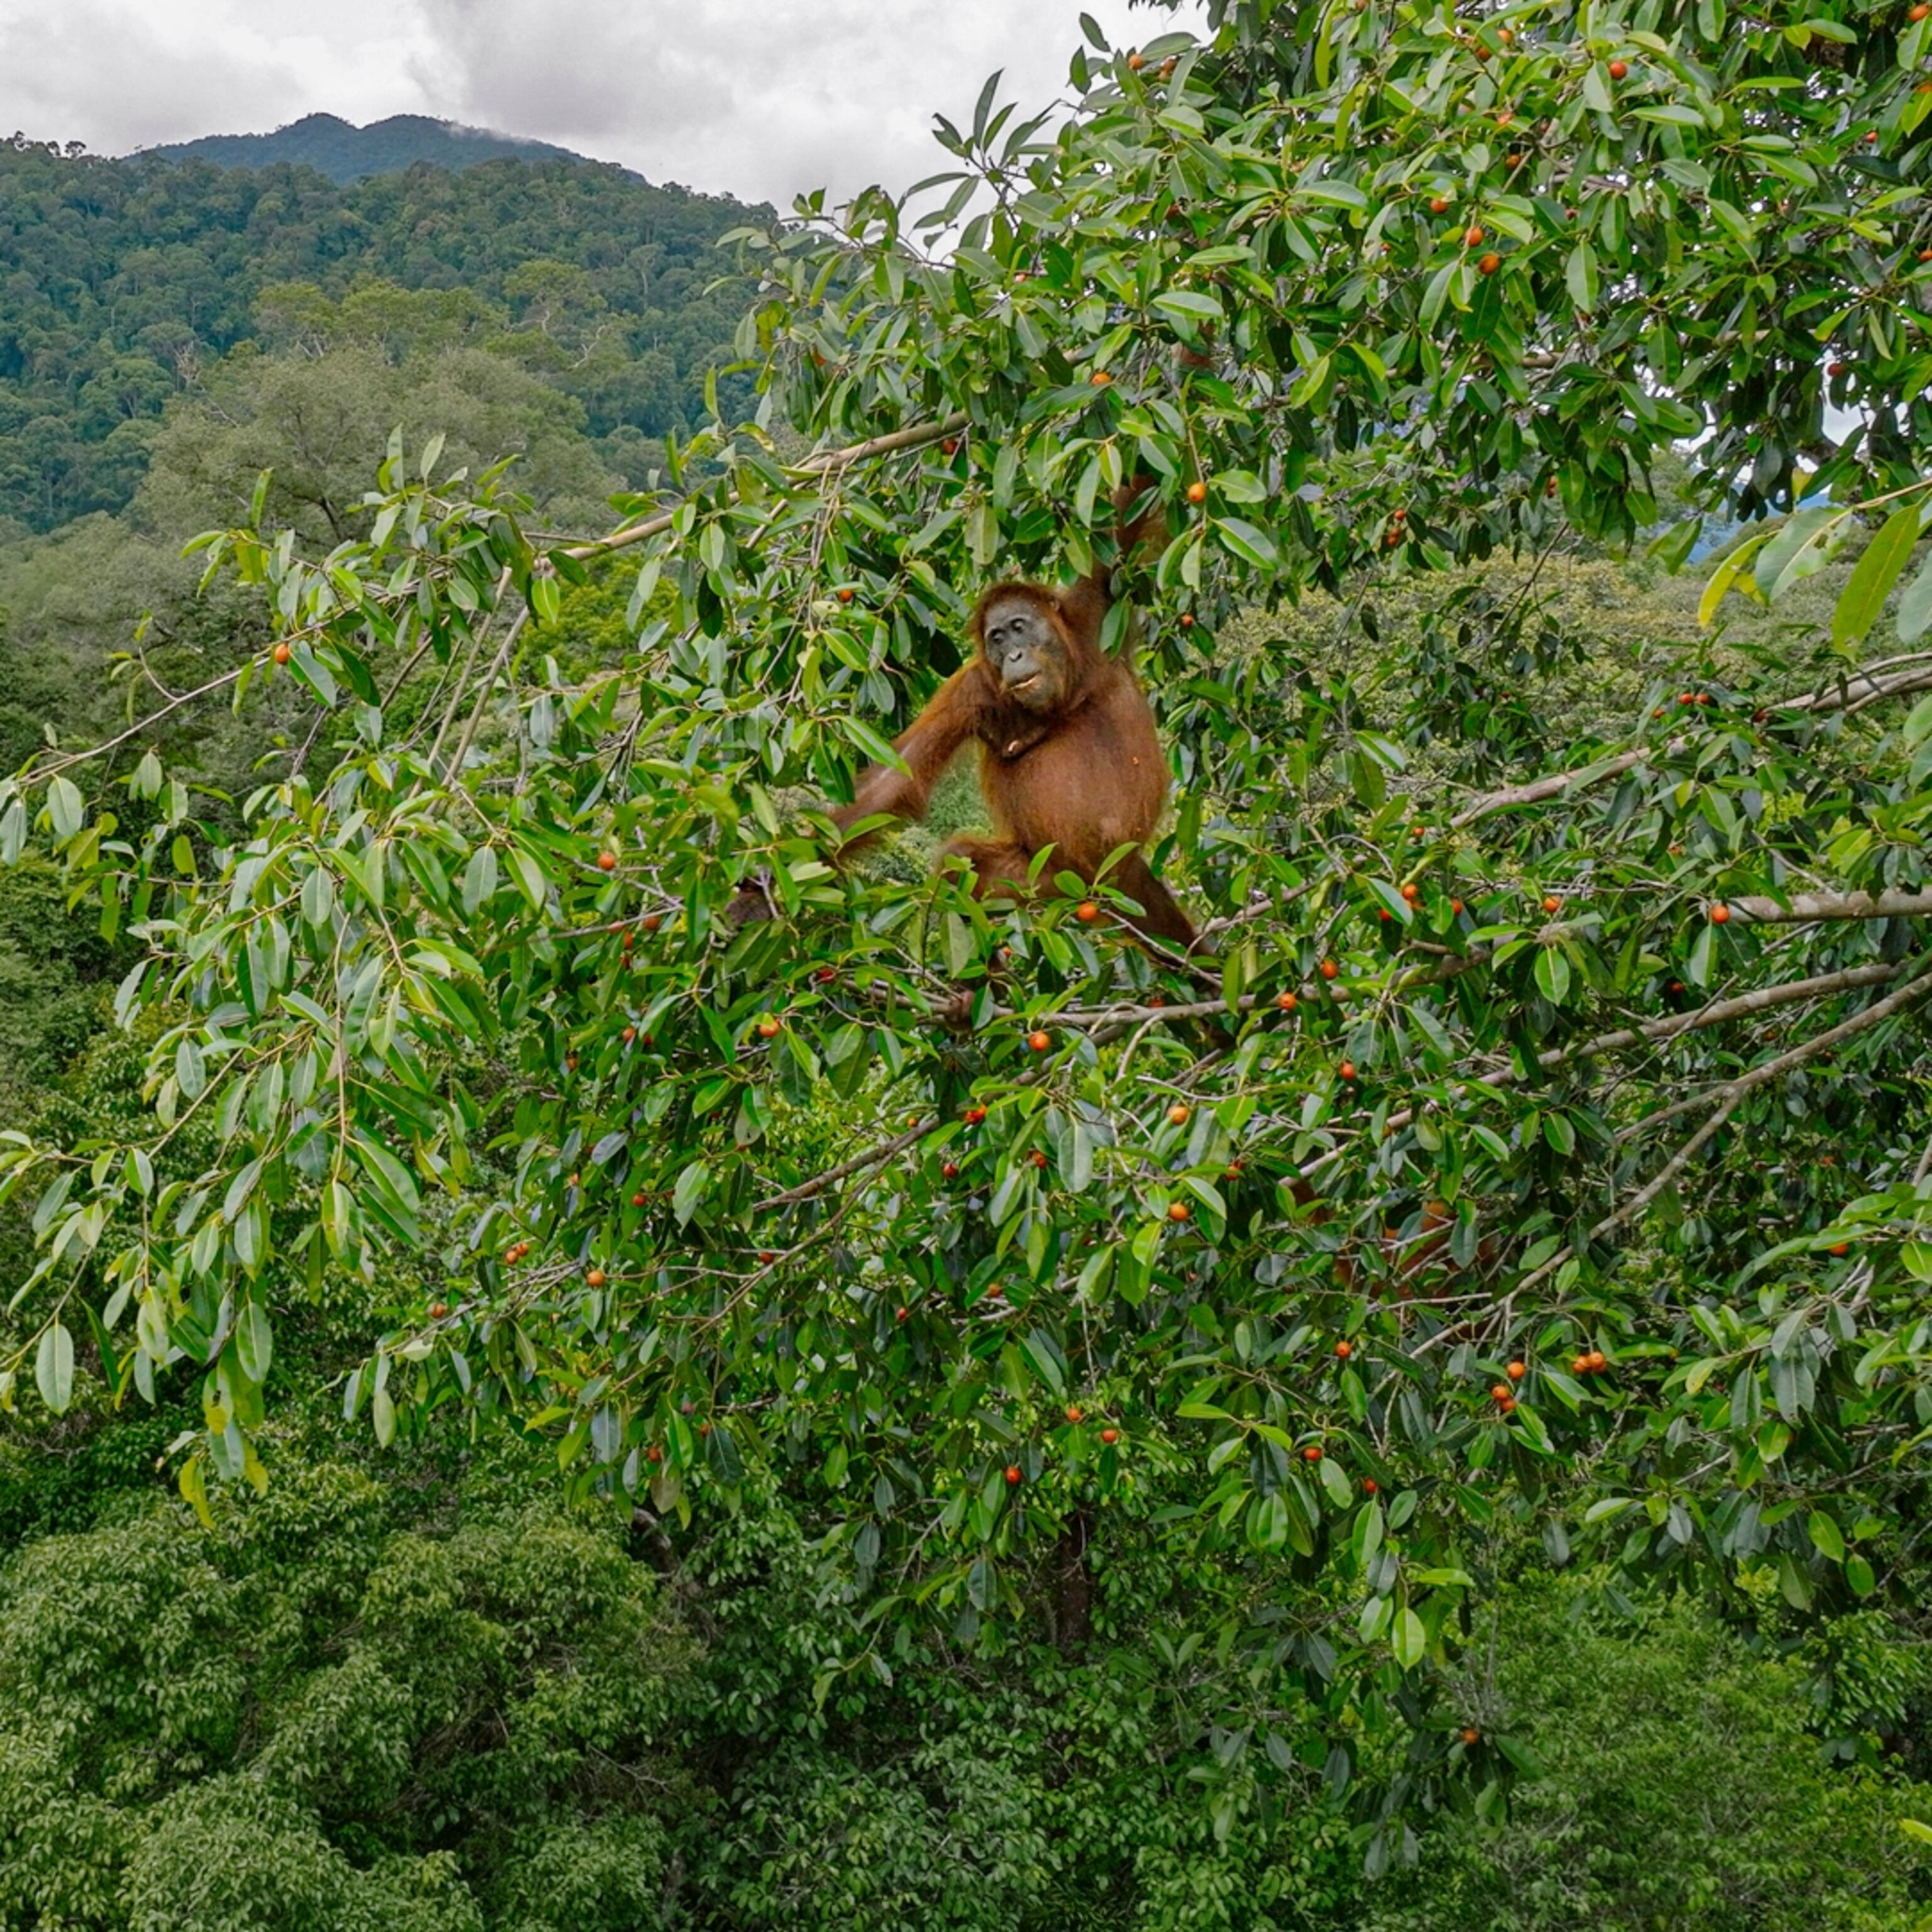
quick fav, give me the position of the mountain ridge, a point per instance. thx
(346, 153)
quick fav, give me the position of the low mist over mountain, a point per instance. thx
(346, 153)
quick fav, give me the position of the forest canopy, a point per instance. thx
(124, 284)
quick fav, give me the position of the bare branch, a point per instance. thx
(1802, 908)
(873, 1157)
(826, 463)
(1552, 787)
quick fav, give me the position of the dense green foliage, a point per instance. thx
(1167, 1388)
(344, 152)
(402, 1692)
(123, 282)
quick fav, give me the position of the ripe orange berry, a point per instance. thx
(1344, 1349)
(1187, 620)
(1470, 1736)
(1099, 378)
(1039, 1156)
(1135, 62)
(1197, 492)
(1618, 69)
(1411, 892)
(845, 595)
(1110, 1436)
(607, 861)
(1039, 1041)
(1516, 1371)
(951, 1170)
(1013, 1474)
(595, 1278)
(1178, 1210)
(1488, 264)
(1918, 13)
(1369, 1486)
(1438, 205)
(974, 1115)
(1347, 1069)
(1177, 1115)
(281, 654)
(1841, 1247)
(1596, 1360)
(1072, 1414)
(654, 1454)
(639, 1200)
(1456, 907)
(1330, 970)
(769, 1028)
(1087, 912)
(900, 1314)
(1720, 915)
(1501, 1392)
(1312, 1453)
(438, 1309)
(630, 1034)
(767, 1257)
(1551, 903)
(1286, 1002)
(652, 921)
(1472, 237)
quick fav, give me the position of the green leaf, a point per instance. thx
(478, 886)
(1863, 597)
(253, 1341)
(1915, 605)
(53, 1367)
(65, 810)
(1826, 1538)
(1553, 975)
(1409, 1639)
(1801, 548)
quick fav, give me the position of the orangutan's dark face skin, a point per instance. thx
(1025, 652)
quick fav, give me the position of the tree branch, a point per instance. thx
(825, 462)
(1802, 908)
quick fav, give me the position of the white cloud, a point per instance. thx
(762, 98)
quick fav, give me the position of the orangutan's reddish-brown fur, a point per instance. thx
(1083, 772)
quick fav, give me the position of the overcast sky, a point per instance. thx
(759, 98)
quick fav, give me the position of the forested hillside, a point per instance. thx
(127, 285)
